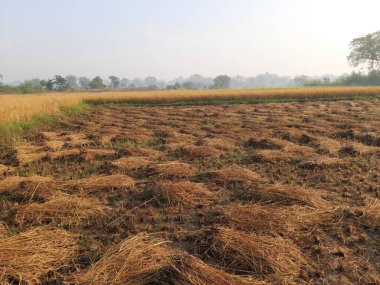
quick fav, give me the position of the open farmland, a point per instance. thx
(283, 193)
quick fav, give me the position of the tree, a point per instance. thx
(366, 50)
(97, 83)
(124, 82)
(84, 82)
(301, 80)
(72, 81)
(61, 83)
(150, 81)
(222, 82)
(50, 84)
(115, 81)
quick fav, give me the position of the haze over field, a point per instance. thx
(172, 38)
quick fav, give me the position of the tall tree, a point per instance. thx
(84, 81)
(115, 81)
(72, 81)
(61, 83)
(366, 50)
(222, 82)
(97, 83)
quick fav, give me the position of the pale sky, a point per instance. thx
(171, 38)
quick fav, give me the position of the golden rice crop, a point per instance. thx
(16, 107)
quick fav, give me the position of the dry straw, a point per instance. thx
(173, 169)
(28, 187)
(63, 209)
(132, 163)
(102, 182)
(234, 174)
(274, 258)
(285, 194)
(184, 193)
(33, 254)
(144, 259)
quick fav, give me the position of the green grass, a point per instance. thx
(11, 133)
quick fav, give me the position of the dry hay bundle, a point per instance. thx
(234, 174)
(283, 194)
(77, 140)
(91, 154)
(254, 254)
(28, 187)
(144, 259)
(47, 135)
(261, 144)
(193, 271)
(65, 154)
(62, 209)
(257, 218)
(55, 145)
(102, 182)
(26, 257)
(184, 193)
(223, 144)
(139, 260)
(143, 152)
(194, 152)
(173, 169)
(4, 169)
(132, 163)
(28, 154)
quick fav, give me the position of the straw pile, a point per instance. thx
(5, 169)
(173, 169)
(253, 254)
(55, 145)
(234, 174)
(29, 154)
(102, 182)
(91, 154)
(194, 152)
(284, 194)
(28, 187)
(65, 154)
(63, 209)
(184, 193)
(132, 163)
(144, 259)
(257, 218)
(143, 152)
(32, 254)
(139, 260)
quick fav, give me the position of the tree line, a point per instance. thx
(364, 54)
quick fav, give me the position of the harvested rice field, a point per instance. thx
(275, 193)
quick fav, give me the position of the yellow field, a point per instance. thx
(16, 107)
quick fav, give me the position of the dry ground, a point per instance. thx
(231, 194)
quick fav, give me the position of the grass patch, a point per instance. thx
(12, 132)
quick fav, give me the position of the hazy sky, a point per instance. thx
(169, 38)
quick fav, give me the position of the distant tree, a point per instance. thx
(50, 84)
(301, 80)
(222, 82)
(84, 82)
(115, 81)
(43, 83)
(188, 85)
(174, 87)
(72, 81)
(97, 83)
(34, 82)
(366, 50)
(124, 82)
(61, 83)
(150, 81)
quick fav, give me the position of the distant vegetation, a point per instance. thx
(365, 54)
